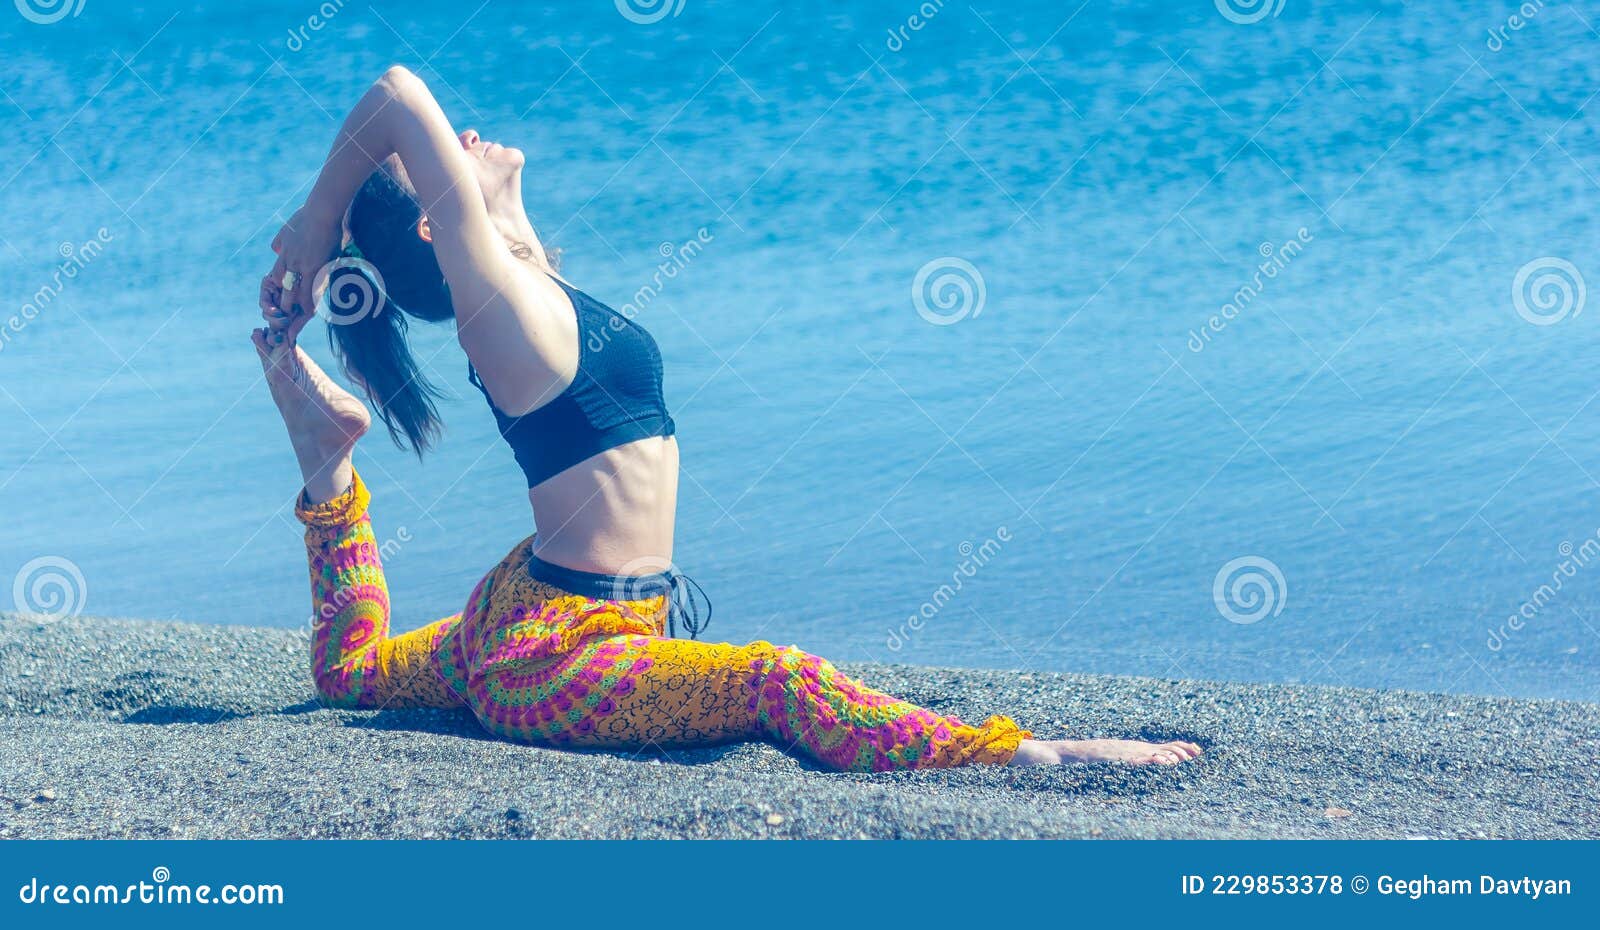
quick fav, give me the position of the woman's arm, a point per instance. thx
(398, 116)
(506, 317)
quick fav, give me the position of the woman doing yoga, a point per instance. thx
(568, 640)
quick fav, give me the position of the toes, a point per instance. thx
(1181, 750)
(1176, 752)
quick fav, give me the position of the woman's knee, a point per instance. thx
(517, 710)
(776, 675)
(335, 688)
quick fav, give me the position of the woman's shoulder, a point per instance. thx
(523, 340)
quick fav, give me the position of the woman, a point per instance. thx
(563, 642)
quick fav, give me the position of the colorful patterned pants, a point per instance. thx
(542, 665)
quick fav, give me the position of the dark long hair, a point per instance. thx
(371, 346)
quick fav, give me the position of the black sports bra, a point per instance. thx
(614, 399)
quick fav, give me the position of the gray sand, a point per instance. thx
(118, 728)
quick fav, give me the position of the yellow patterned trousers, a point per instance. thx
(539, 664)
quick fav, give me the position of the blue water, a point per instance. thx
(1377, 422)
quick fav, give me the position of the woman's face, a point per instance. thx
(498, 167)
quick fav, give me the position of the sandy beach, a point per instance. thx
(121, 728)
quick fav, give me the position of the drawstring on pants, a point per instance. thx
(682, 606)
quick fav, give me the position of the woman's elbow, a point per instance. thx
(398, 80)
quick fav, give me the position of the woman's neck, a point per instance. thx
(510, 219)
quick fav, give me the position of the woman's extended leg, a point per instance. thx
(634, 691)
(353, 659)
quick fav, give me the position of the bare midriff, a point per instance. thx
(611, 513)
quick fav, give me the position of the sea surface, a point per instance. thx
(1155, 338)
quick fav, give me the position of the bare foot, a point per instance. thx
(1130, 751)
(324, 420)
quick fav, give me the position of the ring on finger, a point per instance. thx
(290, 279)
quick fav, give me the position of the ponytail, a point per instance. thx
(374, 351)
(389, 274)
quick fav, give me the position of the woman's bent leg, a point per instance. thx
(353, 659)
(635, 691)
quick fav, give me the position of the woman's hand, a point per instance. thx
(304, 244)
(283, 326)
